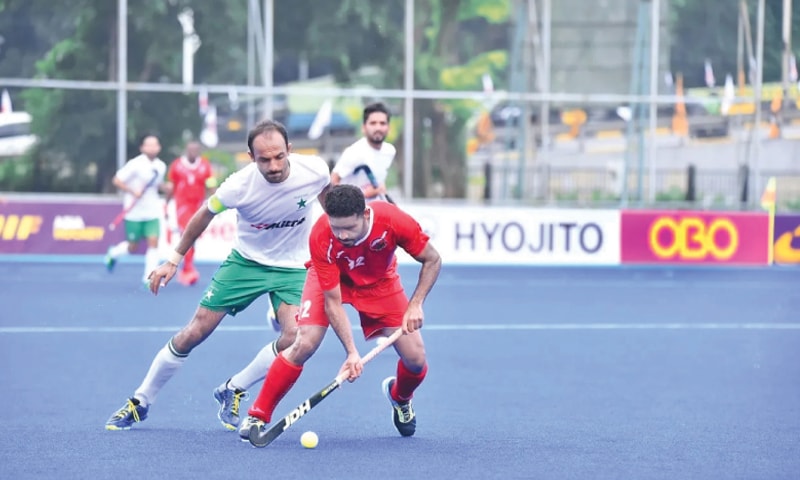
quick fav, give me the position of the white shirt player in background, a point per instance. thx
(371, 150)
(274, 198)
(141, 179)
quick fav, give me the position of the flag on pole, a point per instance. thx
(728, 95)
(768, 199)
(321, 120)
(209, 135)
(488, 84)
(769, 195)
(233, 99)
(202, 101)
(793, 68)
(669, 81)
(5, 102)
(709, 74)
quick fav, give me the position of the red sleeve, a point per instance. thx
(320, 247)
(408, 232)
(209, 171)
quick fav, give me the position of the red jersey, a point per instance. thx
(189, 180)
(371, 263)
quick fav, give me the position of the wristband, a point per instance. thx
(174, 258)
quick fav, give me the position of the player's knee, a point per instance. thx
(287, 337)
(414, 359)
(305, 344)
(415, 364)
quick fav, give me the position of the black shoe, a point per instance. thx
(402, 413)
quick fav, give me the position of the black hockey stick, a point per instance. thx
(372, 179)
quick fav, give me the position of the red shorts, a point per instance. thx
(375, 311)
(185, 210)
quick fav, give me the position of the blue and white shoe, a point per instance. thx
(229, 400)
(405, 421)
(132, 412)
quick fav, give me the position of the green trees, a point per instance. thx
(77, 41)
(456, 42)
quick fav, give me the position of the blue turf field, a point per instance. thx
(575, 373)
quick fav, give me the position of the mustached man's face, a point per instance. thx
(271, 155)
(376, 128)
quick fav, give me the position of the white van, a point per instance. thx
(15, 134)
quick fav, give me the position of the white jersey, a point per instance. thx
(274, 219)
(142, 173)
(362, 153)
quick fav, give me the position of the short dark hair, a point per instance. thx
(147, 135)
(376, 107)
(344, 200)
(266, 126)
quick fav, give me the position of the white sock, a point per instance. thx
(150, 261)
(164, 366)
(119, 249)
(256, 370)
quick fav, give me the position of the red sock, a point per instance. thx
(407, 382)
(280, 378)
(188, 261)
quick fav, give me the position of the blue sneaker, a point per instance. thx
(229, 400)
(126, 416)
(109, 261)
(402, 413)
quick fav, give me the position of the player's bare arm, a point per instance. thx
(161, 276)
(168, 189)
(372, 192)
(117, 182)
(369, 191)
(431, 265)
(337, 317)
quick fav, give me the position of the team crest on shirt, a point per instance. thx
(302, 199)
(379, 243)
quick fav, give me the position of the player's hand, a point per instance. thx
(161, 276)
(413, 318)
(352, 366)
(372, 192)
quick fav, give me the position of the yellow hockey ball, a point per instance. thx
(309, 440)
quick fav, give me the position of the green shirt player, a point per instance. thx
(273, 197)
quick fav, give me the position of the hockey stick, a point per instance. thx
(262, 440)
(372, 179)
(170, 229)
(121, 215)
